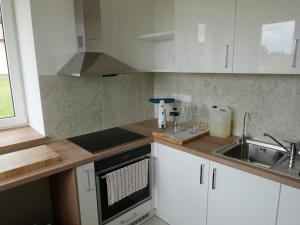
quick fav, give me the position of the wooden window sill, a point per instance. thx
(20, 138)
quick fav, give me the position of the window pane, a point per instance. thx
(6, 100)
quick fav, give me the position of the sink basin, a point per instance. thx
(257, 153)
(264, 155)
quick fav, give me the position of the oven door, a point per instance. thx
(108, 213)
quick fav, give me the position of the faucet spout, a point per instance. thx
(246, 115)
(243, 138)
(276, 141)
(293, 150)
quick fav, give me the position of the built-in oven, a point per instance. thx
(106, 211)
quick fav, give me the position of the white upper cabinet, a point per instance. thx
(267, 36)
(204, 35)
(239, 198)
(289, 209)
(182, 187)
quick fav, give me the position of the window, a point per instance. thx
(12, 107)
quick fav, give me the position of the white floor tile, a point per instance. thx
(155, 221)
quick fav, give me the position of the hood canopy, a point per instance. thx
(94, 63)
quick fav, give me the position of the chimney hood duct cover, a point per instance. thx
(94, 63)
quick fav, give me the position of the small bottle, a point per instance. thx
(175, 125)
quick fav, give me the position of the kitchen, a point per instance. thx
(238, 54)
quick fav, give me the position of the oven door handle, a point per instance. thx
(120, 167)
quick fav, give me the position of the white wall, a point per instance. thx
(46, 33)
(54, 33)
(163, 20)
(122, 22)
(29, 64)
(163, 15)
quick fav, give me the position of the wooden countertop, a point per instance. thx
(19, 138)
(206, 146)
(73, 156)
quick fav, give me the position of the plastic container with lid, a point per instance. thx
(219, 122)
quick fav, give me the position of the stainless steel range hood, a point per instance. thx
(94, 63)
(88, 30)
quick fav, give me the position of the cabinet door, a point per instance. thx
(289, 208)
(267, 36)
(204, 34)
(182, 192)
(87, 194)
(236, 197)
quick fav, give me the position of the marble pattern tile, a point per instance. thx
(72, 105)
(78, 105)
(272, 100)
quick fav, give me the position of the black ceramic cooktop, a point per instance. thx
(102, 140)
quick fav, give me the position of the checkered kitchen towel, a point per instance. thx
(126, 181)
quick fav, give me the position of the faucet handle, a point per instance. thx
(294, 145)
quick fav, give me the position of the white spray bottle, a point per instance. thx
(162, 115)
(162, 124)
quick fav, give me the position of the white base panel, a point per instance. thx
(135, 214)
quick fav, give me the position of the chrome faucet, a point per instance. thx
(243, 138)
(292, 151)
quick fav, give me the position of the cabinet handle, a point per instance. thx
(227, 56)
(295, 53)
(89, 188)
(213, 186)
(201, 173)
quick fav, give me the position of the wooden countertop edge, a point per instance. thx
(19, 138)
(66, 149)
(73, 156)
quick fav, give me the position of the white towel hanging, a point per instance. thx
(126, 181)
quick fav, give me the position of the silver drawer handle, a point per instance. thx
(201, 173)
(295, 53)
(227, 56)
(213, 186)
(89, 187)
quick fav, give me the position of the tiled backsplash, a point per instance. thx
(78, 105)
(272, 100)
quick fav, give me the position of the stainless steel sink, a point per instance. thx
(254, 153)
(261, 154)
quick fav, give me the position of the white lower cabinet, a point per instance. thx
(239, 198)
(289, 206)
(87, 195)
(182, 187)
(190, 190)
(225, 196)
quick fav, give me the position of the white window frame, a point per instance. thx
(14, 67)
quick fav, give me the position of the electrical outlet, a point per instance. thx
(182, 98)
